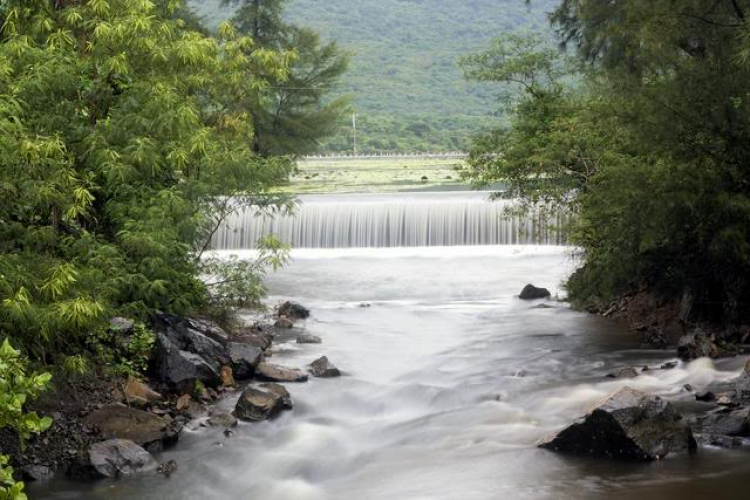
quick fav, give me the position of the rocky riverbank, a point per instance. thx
(107, 427)
(631, 424)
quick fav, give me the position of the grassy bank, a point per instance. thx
(343, 175)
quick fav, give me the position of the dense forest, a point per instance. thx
(649, 153)
(404, 82)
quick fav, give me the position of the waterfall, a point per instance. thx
(391, 220)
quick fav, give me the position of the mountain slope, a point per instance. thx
(406, 89)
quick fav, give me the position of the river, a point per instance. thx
(449, 381)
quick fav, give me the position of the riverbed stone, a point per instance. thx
(134, 388)
(257, 404)
(120, 457)
(735, 423)
(531, 292)
(294, 311)
(222, 419)
(275, 373)
(624, 372)
(628, 425)
(37, 473)
(281, 391)
(245, 358)
(179, 368)
(309, 339)
(697, 344)
(323, 368)
(261, 340)
(143, 428)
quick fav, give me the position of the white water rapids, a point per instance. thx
(449, 381)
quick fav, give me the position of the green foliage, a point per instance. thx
(406, 89)
(650, 153)
(123, 355)
(121, 132)
(17, 387)
(9, 488)
(294, 113)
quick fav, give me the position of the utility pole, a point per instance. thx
(354, 129)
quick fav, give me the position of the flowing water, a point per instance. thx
(449, 381)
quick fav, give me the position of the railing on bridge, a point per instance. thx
(451, 155)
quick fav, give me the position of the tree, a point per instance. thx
(293, 114)
(663, 117)
(124, 140)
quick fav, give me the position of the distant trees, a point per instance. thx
(295, 112)
(651, 146)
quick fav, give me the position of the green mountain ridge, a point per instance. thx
(406, 88)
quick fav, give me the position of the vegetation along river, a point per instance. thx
(449, 382)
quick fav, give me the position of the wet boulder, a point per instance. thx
(143, 428)
(279, 390)
(120, 457)
(261, 340)
(294, 311)
(697, 344)
(531, 292)
(309, 339)
(180, 368)
(323, 368)
(726, 422)
(274, 373)
(284, 323)
(245, 358)
(257, 404)
(624, 372)
(742, 384)
(629, 425)
(222, 419)
(37, 473)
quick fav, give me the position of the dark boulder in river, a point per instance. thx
(530, 292)
(275, 373)
(120, 457)
(696, 345)
(293, 311)
(309, 339)
(629, 425)
(245, 358)
(257, 404)
(323, 368)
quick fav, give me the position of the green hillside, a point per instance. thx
(406, 88)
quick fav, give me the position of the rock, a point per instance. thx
(294, 311)
(227, 378)
(256, 404)
(530, 292)
(625, 372)
(179, 368)
(323, 368)
(284, 322)
(706, 396)
(725, 401)
(669, 365)
(197, 337)
(718, 440)
(688, 388)
(222, 419)
(183, 402)
(120, 457)
(143, 428)
(260, 340)
(726, 423)
(275, 373)
(280, 390)
(37, 473)
(168, 468)
(695, 345)
(629, 425)
(742, 383)
(137, 389)
(245, 358)
(309, 339)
